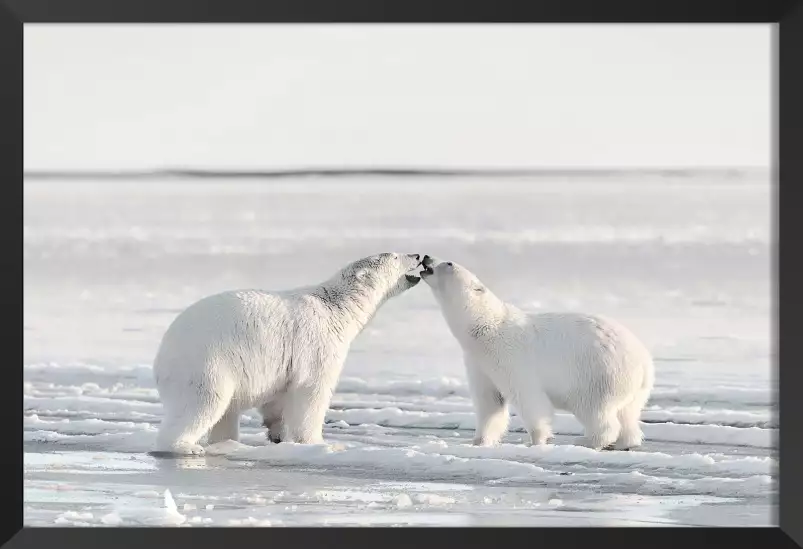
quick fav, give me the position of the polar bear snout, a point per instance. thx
(433, 265)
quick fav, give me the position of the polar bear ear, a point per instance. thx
(364, 275)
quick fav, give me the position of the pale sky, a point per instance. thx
(288, 96)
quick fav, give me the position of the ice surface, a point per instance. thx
(684, 261)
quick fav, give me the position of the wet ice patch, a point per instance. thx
(108, 462)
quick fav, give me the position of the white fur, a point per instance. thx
(588, 365)
(279, 351)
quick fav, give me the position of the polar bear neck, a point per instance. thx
(475, 317)
(351, 305)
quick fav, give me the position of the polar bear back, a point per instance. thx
(250, 338)
(572, 353)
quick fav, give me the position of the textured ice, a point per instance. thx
(683, 261)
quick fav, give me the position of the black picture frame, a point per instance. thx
(788, 149)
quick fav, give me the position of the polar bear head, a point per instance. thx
(451, 282)
(388, 274)
(464, 300)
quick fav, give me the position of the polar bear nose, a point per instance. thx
(416, 256)
(427, 261)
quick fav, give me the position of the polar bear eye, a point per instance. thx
(449, 263)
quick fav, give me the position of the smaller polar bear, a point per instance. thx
(279, 351)
(588, 365)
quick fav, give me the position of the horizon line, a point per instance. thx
(377, 170)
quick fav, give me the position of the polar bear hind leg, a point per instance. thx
(601, 428)
(189, 418)
(629, 416)
(227, 427)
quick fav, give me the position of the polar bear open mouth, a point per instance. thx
(415, 276)
(426, 263)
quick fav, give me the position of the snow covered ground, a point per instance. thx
(683, 260)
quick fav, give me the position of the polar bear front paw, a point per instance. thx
(274, 438)
(482, 441)
(593, 444)
(186, 449)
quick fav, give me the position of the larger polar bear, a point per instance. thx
(590, 366)
(279, 351)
